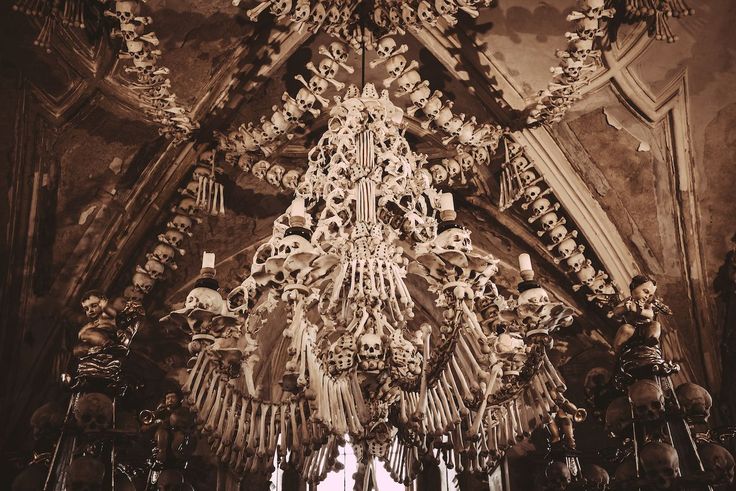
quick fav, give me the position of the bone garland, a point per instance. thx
(578, 61)
(201, 194)
(66, 13)
(248, 141)
(656, 14)
(350, 23)
(475, 143)
(527, 190)
(152, 86)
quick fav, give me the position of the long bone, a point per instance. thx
(193, 373)
(457, 399)
(252, 428)
(205, 399)
(490, 387)
(272, 430)
(214, 409)
(239, 442)
(449, 402)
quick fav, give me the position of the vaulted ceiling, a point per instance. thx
(643, 164)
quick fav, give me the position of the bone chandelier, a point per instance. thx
(365, 219)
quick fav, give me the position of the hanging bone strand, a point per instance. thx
(250, 141)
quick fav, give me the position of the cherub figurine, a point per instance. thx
(561, 427)
(101, 330)
(639, 313)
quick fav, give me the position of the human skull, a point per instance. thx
(385, 47)
(576, 262)
(481, 155)
(540, 206)
(154, 269)
(426, 13)
(328, 68)
(187, 206)
(549, 220)
(182, 223)
(454, 239)
(453, 127)
(588, 28)
(305, 99)
(142, 282)
(205, 299)
(596, 477)
(395, 65)
(586, 275)
(261, 168)
(270, 133)
(163, 253)
(281, 125)
(557, 234)
(130, 293)
(536, 296)
(274, 175)
(600, 286)
(660, 464)
(695, 402)
(125, 10)
(46, 421)
(453, 167)
(291, 179)
(85, 474)
(618, 416)
(318, 14)
(339, 51)
(572, 67)
(292, 111)
(93, 412)
(439, 173)
(718, 462)
(527, 177)
(558, 476)
(409, 80)
(301, 11)
(581, 48)
(433, 106)
(280, 7)
(420, 95)
(445, 7)
(333, 15)
(318, 84)
(566, 247)
(647, 400)
(532, 193)
(370, 352)
(172, 237)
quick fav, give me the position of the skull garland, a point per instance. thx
(93, 412)
(661, 464)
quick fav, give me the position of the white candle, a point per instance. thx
(446, 202)
(525, 262)
(297, 207)
(208, 260)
